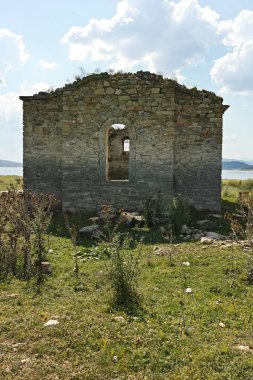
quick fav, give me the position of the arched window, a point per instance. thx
(126, 144)
(118, 147)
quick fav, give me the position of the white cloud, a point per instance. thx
(13, 52)
(31, 89)
(11, 106)
(233, 71)
(49, 65)
(158, 35)
(11, 120)
(168, 36)
(239, 30)
(10, 110)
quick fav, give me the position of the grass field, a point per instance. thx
(206, 334)
(232, 187)
(7, 180)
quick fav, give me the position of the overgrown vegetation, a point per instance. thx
(24, 220)
(241, 224)
(8, 180)
(179, 213)
(123, 273)
(232, 187)
(177, 313)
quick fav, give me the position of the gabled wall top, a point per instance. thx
(148, 78)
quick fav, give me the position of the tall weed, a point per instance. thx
(241, 225)
(179, 212)
(123, 273)
(24, 220)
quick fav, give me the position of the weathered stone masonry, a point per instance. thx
(175, 138)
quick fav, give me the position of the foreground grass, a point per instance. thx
(174, 336)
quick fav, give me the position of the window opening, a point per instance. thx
(126, 144)
(118, 148)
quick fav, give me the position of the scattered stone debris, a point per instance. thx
(247, 249)
(216, 216)
(187, 238)
(17, 345)
(94, 220)
(163, 251)
(195, 234)
(90, 232)
(133, 219)
(162, 229)
(216, 236)
(227, 245)
(24, 361)
(206, 240)
(241, 347)
(185, 230)
(12, 295)
(204, 224)
(119, 319)
(107, 216)
(51, 322)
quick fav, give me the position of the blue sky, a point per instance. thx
(203, 43)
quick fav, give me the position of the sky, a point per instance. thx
(202, 43)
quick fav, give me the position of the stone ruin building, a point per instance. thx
(122, 139)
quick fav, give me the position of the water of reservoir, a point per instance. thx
(11, 171)
(226, 174)
(237, 174)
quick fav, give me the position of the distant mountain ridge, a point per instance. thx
(235, 165)
(10, 164)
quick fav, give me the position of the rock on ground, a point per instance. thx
(90, 232)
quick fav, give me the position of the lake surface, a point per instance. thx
(226, 174)
(11, 171)
(237, 174)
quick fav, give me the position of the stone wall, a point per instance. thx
(43, 144)
(175, 142)
(198, 147)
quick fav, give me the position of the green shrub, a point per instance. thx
(241, 225)
(179, 212)
(153, 207)
(234, 182)
(247, 185)
(24, 220)
(123, 274)
(225, 192)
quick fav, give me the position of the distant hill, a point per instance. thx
(10, 164)
(235, 165)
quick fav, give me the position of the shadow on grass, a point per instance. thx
(147, 235)
(58, 228)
